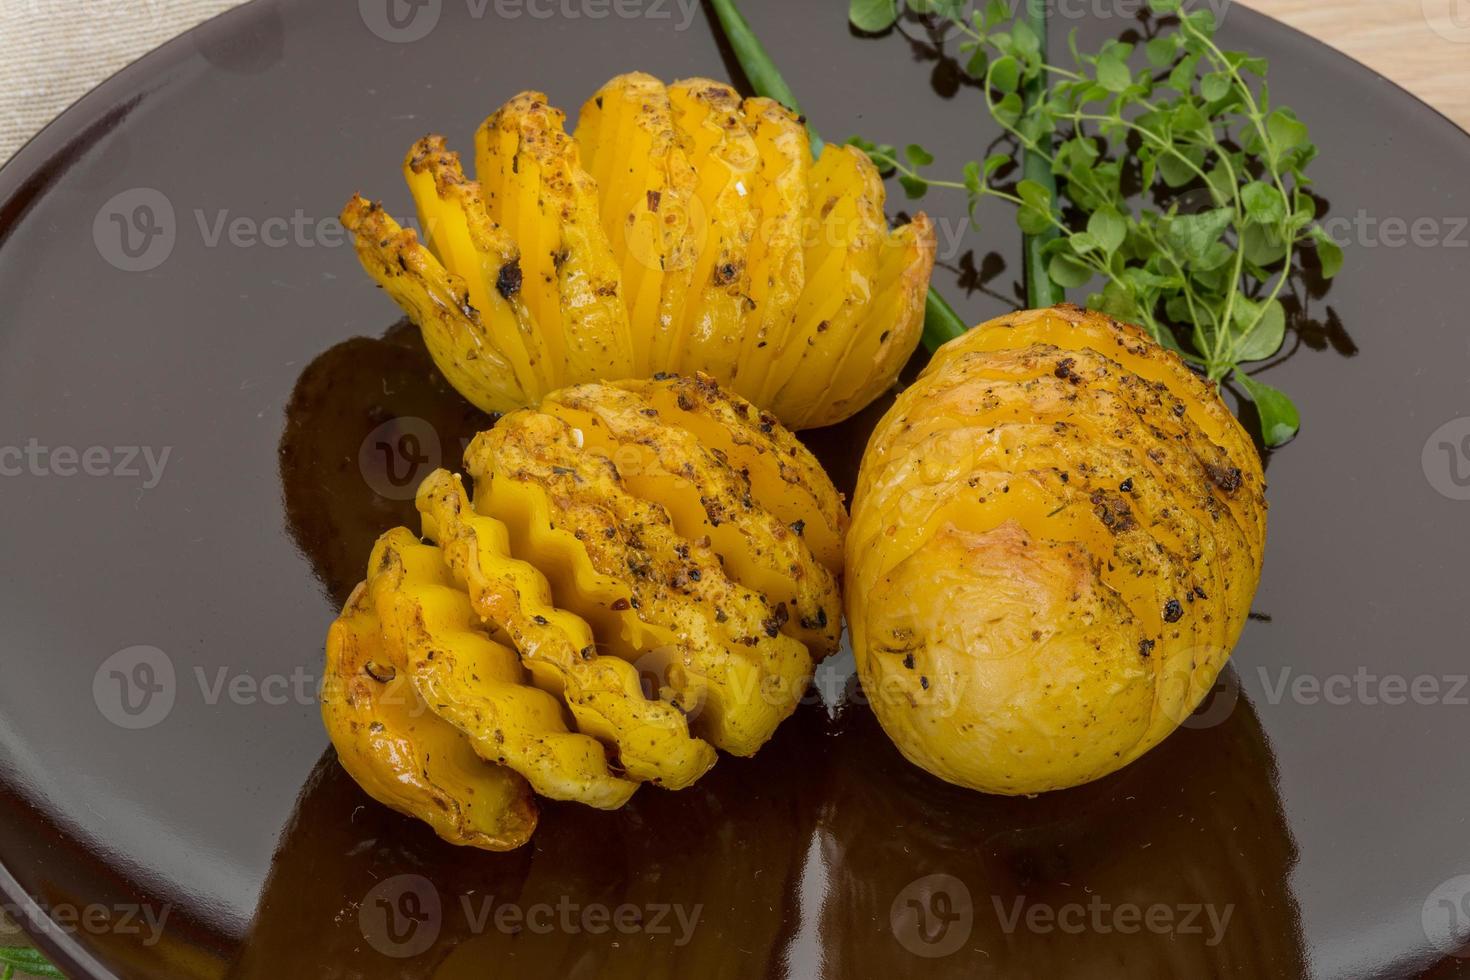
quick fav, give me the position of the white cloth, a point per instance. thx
(52, 52)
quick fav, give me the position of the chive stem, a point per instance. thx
(1041, 290)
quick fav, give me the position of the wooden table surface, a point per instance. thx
(1423, 45)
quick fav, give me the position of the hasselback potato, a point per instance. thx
(646, 573)
(1057, 532)
(682, 229)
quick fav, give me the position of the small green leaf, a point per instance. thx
(1161, 51)
(1008, 110)
(1263, 203)
(997, 11)
(978, 64)
(1189, 119)
(1279, 419)
(1113, 74)
(1181, 79)
(1329, 253)
(1067, 272)
(1193, 234)
(1263, 339)
(1005, 74)
(917, 156)
(1263, 245)
(1025, 40)
(914, 187)
(1082, 242)
(1215, 86)
(29, 960)
(1164, 6)
(1034, 194)
(1176, 172)
(873, 16)
(1108, 228)
(1286, 131)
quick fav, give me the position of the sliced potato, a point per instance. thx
(405, 756)
(534, 187)
(477, 684)
(604, 693)
(439, 301)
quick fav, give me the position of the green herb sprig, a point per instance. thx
(1194, 122)
(27, 961)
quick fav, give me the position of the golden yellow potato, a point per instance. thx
(681, 230)
(1056, 536)
(404, 755)
(647, 572)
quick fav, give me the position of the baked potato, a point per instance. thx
(1056, 535)
(682, 229)
(647, 573)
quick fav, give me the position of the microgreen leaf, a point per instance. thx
(1068, 272)
(1192, 234)
(873, 16)
(1109, 228)
(1113, 74)
(1005, 74)
(1329, 253)
(1259, 329)
(28, 960)
(1215, 86)
(914, 187)
(1279, 418)
(917, 156)
(1263, 203)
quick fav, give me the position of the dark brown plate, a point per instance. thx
(163, 755)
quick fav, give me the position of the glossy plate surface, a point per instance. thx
(196, 386)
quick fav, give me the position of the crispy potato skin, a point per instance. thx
(1056, 536)
(681, 229)
(632, 586)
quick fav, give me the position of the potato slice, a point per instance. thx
(646, 187)
(534, 186)
(708, 301)
(459, 231)
(732, 652)
(402, 754)
(784, 476)
(707, 500)
(843, 251)
(457, 336)
(478, 685)
(777, 261)
(890, 329)
(603, 693)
